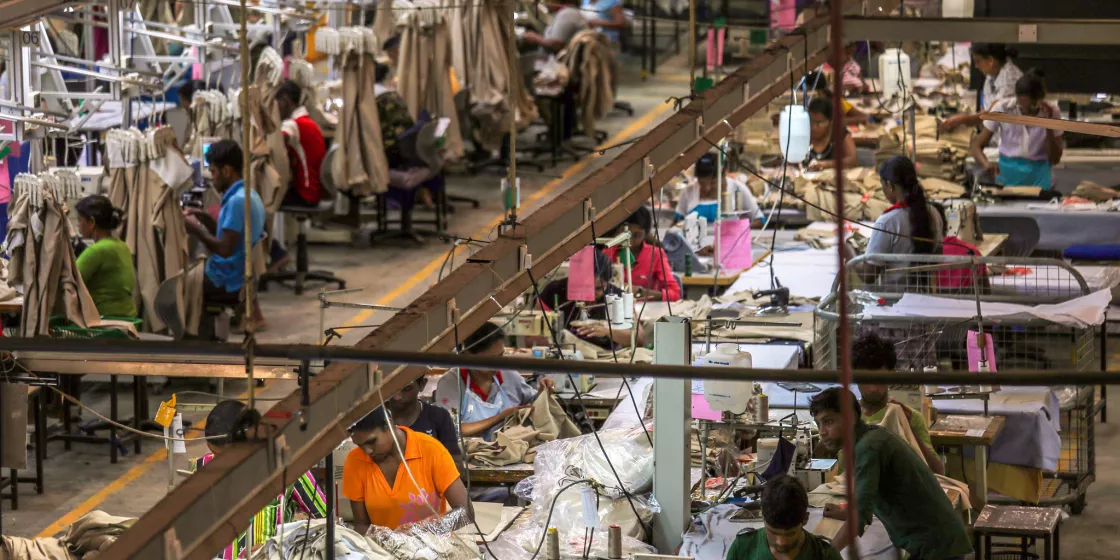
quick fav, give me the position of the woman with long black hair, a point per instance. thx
(911, 225)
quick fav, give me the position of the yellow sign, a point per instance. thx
(166, 412)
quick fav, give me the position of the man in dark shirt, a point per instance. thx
(785, 509)
(891, 483)
(408, 410)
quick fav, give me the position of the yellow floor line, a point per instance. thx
(137, 471)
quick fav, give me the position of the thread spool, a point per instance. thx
(552, 544)
(762, 409)
(614, 542)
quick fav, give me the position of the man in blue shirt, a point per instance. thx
(225, 267)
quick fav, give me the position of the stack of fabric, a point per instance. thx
(588, 58)
(1095, 193)
(424, 77)
(941, 157)
(42, 265)
(518, 439)
(147, 176)
(863, 195)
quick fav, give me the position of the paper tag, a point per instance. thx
(735, 244)
(590, 508)
(166, 412)
(974, 433)
(581, 276)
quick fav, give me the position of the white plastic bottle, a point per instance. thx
(793, 133)
(894, 74)
(728, 395)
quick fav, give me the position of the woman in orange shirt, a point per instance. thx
(376, 461)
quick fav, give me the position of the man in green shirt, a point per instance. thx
(873, 353)
(785, 509)
(891, 483)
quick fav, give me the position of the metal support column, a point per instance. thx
(672, 413)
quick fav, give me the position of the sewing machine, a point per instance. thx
(962, 221)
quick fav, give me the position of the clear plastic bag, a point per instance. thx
(432, 538)
(520, 543)
(628, 451)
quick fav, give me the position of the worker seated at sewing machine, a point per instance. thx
(892, 483)
(225, 267)
(483, 399)
(429, 485)
(407, 409)
(303, 499)
(567, 20)
(700, 196)
(870, 352)
(653, 275)
(851, 74)
(910, 226)
(590, 320)
(106, 266)
(823, 154)
(785, 510)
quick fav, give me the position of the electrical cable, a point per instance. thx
(552, 508)
(579, 399)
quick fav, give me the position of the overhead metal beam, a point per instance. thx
(208, 510)
(988, 30)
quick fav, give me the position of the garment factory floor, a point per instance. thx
(394, 273)
(82, 479)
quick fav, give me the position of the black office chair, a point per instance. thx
(424, 170)
(303, 216)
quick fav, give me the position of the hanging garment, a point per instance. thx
(269, 168)
(360, 164)
(424, 79)
(17, 548)
(95, 532)
(487, 31)
(588, 58)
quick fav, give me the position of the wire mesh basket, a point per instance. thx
(932, 307)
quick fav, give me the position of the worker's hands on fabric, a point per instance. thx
(192, 223)
(649, 295)
(547, 384)
(514, 410)
(593, 331)
(950, 124)
(993, 168)
(836, 511)
(706, 251)
(819, 165)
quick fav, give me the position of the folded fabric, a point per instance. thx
(516, 441)
(94, 532)
(16, 548)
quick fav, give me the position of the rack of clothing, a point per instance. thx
(424, 76)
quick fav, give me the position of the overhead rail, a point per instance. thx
(987, 30)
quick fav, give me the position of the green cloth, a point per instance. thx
(752, 545)
(917, 425)
(895, 485)
(107, 271)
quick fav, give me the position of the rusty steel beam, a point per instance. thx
(208, 510)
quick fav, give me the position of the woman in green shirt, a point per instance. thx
(106, 266)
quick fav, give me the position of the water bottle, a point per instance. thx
(894, 74)
(793, 133)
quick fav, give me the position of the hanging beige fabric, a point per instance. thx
(424, 79)
(159, 228)
(487, 33)
(588, 56)
(269, 168)
(360, 164)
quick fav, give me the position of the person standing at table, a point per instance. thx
(1000, 76)
(1027, 154)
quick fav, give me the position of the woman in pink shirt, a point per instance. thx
(653, 275)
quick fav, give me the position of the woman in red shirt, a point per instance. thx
(653, 275)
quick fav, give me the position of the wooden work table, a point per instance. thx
(977, 432)
(507, 475)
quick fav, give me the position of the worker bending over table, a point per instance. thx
(701, 196)
(822, 152)
(225, 267)
(1027, 154)
(653, 275)
(554, 297)
(302, 498)
(872, 353)
(911, 225)
(407, 409)
(485, 398)
(785, 510)
(891, 483)
(1000, 76)
(106, 266)
(424, 483)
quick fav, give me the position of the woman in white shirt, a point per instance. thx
(700, 197)
(1026, 153)
(995, 61)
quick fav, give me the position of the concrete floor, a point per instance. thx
(82, 479)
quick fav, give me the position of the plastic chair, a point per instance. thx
(303, 216)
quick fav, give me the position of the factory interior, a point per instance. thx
(559, 279)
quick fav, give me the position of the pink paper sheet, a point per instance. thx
(581, 276)
(735, 244)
